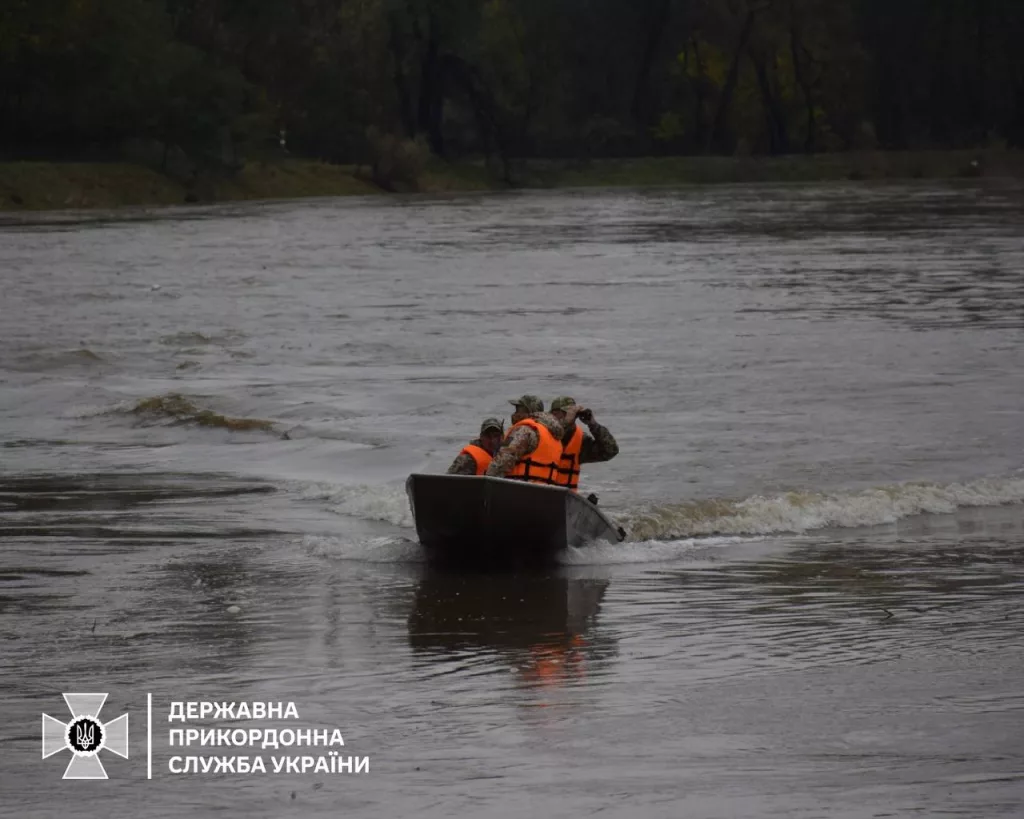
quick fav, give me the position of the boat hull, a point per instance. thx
(464, 520)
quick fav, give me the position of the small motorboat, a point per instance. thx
(475, 521)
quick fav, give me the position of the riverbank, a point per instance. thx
(73, 185)
(57, 185)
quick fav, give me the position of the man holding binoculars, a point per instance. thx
(577, 447)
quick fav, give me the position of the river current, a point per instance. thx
(207, 416)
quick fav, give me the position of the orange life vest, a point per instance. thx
(480, 455)
(568, 472)
(540, 465)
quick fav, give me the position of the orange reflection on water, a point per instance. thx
(555, 664)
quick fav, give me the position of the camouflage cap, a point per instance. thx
(492, 423)
(563, 402)
(531, 403)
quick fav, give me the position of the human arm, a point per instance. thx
(600, 445)
(520, 442)
(464, 464)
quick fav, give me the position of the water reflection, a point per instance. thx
(541, 627)
(136, 572)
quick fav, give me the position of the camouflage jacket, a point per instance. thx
(601, 447)
(464, 464)
(520, 442)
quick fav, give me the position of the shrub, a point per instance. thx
(396, 164)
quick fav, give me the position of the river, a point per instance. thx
(207, 416)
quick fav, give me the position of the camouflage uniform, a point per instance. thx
(594, 450)
(521, 441)
(464, 463)
(601, 447)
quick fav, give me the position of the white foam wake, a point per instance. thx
(805, 511)
(381, 502)
(759, 515)
(367, 550)
(647, 551)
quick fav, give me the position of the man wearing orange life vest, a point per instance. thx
(531, 449)
(577, 447)
(476, 455)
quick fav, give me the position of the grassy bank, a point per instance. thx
(52, 185)
(877, 165)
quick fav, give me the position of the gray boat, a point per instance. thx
(473, 521)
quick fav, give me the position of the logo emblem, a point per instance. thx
(85, 736)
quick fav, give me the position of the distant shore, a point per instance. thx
(72, 185)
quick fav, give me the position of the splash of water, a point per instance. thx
(366, 550)
(792, 512)
(806, 511)
(179, 409)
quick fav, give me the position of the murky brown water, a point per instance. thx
(817, 394)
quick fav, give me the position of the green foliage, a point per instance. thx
(396, 164)
(218, 80)
(671, 127)
(90, 74)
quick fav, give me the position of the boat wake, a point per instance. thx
(368, 550)
(795, 512)
(649, 551)
(386, 503)
(698, 530)
(758, 515)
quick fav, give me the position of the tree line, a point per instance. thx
(222, 79)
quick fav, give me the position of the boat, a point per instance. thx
(477, 521)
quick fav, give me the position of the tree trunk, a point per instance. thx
(981, 92)
(795, 45)
(430, 109)
(640, 108)
(400, 79)
(699, 96)
(485, 111)
(774, 116)
(940, 97)
(716, 137)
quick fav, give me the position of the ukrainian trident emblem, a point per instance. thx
(85, 736)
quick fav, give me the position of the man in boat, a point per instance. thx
(531, 449)
(476, 456)
(577, 447)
